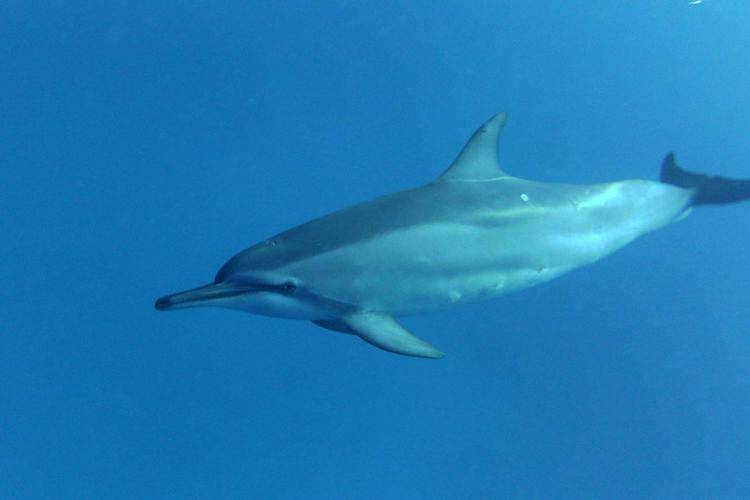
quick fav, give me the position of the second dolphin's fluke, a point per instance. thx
(473, 233)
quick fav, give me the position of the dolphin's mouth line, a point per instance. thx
(213, 291)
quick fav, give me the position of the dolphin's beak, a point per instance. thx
(203, 295)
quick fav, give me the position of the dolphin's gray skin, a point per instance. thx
(474, 233)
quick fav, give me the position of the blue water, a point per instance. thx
(142, 144)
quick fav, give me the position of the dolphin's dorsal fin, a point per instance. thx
(478, 160)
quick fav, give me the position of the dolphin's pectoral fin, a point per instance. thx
(384, 332)
(478, 160)
(332, 324)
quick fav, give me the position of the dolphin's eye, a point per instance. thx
(289, 288)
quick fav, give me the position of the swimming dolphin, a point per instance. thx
(474, 233)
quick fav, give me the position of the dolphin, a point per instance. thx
(474, 233)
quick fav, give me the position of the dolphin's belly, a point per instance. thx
(425, 268)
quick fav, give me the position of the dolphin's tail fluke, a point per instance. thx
(709, 189)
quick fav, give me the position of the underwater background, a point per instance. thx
(144, 143)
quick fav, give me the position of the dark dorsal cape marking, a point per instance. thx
(476, 162)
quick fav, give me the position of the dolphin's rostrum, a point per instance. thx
(475, 232)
